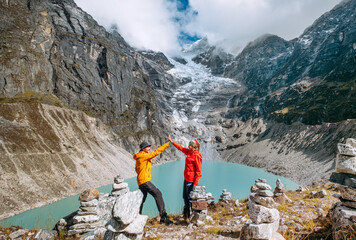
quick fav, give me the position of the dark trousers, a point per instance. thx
(148, 187)
(187, 188)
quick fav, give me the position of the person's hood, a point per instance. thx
(137, 155)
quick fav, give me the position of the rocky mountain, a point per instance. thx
(54, 47)
(53, 53)
(76, 100)
(302, 80)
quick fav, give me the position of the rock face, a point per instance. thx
(54, 47)
(59, 153)
(262, 212)
(308, 79)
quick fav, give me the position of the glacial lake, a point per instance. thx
(235, 178)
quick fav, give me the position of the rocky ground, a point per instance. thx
(307, 216)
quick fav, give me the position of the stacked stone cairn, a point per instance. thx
(344, 212)
(263, 214)
(119, 187)
(104, 216)
(225, 197)
(279, 193)
(86, 219)
(200, 200)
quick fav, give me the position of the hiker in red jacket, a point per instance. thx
(192, 171)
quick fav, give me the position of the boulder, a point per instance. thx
(260, 214)
(136, 227)
(346, 149)
(18, 234)
(319, 194)
(344, 179)
(258, 231)
(120, 192)
(342, 218)
(127, 207)
(345, 164)
(348, 193)
(351, 142)
(46, 235)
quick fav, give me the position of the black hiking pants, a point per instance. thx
(187, 188)
(148, 187)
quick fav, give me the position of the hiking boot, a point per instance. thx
(165, 219)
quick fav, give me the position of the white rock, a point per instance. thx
(118, 179)
(119, 186)
(351, 142)
(120, 192)
(85, 219)
(264, 193)
(127, 207)
(260, 231)
(264, 201)
(263, 186)
(345, 164)
(260, 214)
(92, 203)
(136, 227)
(18, 233)
(346, 149)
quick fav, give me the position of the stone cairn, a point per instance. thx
(263, 213)
(344, 212)
(279, 195)
(225, 197)
(104, 216)
(119, 187)
(200, 201)
(86, 219)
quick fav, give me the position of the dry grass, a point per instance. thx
(33, 97)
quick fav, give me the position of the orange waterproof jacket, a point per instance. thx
(143, 163)
(193, 164)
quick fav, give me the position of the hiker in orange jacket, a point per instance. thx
(192, 171)
(143, 169)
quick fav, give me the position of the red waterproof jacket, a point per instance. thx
(193, 164)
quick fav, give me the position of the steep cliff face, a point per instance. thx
(49, 152)
(54, 47)
(52, 52)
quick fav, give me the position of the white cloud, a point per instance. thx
(234, 23)
(144, 24)
(150, 24)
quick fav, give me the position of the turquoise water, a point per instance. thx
(235, 178)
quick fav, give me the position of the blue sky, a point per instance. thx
(164, 25)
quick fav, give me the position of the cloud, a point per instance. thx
(234, 23)
(158, 25)
(144, 24)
